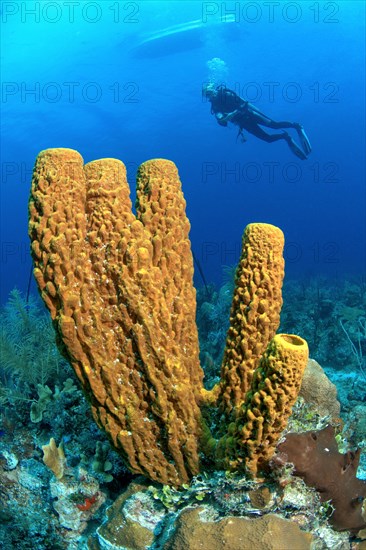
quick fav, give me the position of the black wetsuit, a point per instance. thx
(226, 101)
(248, 117)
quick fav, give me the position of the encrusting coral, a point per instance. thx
(120, 292)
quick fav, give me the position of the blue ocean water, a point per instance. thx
(124, 80)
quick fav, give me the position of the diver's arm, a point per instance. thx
(221, 119)
(229, 116)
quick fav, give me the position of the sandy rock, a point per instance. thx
(317, 389)
(236, 533)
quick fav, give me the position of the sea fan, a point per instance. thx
(28, 351)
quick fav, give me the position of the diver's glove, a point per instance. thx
(221, 119)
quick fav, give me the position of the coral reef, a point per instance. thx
(39, 407)
(119, 290)
(30, 519)
(217, 512)
(331, 317)
(126, 526)
(27, 517)
(30, 364)
(101, 464)
(76, 500)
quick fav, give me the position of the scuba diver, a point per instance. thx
(227, 106)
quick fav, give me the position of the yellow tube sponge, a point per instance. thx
(119, 288)
(255, 311)
(120, 291)
(252, 439)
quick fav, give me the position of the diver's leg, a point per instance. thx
(269, 123)
(261, 134)
(304, 140)
(256, 117)
(270, 138)
(261, 119)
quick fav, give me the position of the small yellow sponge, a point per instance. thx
(276, 383)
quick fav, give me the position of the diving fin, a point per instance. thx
(294, 147)
(304, 140)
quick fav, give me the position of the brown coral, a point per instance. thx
(119, 289)
(317, 460)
